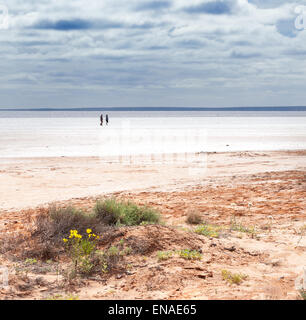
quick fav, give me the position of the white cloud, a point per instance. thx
(146, 52)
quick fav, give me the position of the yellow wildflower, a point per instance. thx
(74, 233)
(88, 230)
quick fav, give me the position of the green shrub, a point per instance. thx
(237, 226)
(303, 294)
(87, 259)
(208, 230)
(80, 250)
(58, 222)
(110, 259)
(164, 255)
(190, 254)
(235, 278)
(107, 211)
(113, 212)
(61, 297)
(30, 261)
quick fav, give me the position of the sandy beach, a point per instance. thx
(262, 190)
(29, 182)
(153, 150)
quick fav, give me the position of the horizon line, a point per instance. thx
(275, 108)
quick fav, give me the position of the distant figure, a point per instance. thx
(101, 120)
(106, 119)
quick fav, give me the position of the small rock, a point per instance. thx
(23, 286)
(275, 262)
(253, 253)
(130, 272)
(231, 248)
(40, 281)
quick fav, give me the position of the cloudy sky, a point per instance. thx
(205, 53)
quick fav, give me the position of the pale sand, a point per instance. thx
(264, 190)
(28, 182)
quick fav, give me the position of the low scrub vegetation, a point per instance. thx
(303, 294)
(208, 230)
(164, 255)
(63, 297)
(85, 237)
(112, 212)
(190, 254)
(237, 226)
(87, 259)
(54, 225)
(194, 218)
(81, 250)
(57, 223)
(187, 254)
(231, 278)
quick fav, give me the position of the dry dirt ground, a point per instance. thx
(267, 244)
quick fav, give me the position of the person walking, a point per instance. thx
(106, 119)
(101, 119)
